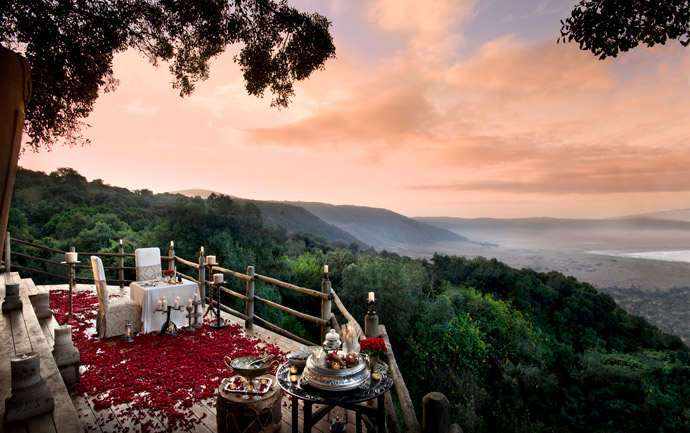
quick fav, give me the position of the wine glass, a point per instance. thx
(246, 382)
(257, 384)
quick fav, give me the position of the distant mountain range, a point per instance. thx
(384, 229)
(365, 226)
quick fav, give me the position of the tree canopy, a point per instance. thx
(71, 44)
(607, 27)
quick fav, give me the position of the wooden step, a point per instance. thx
(20, 331)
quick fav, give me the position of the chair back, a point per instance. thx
(148, 263)
(100, 282)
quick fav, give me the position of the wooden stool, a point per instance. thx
(235, 415)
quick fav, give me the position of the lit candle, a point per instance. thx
(172, 244)
(325, 269)
(165, 303)
(217, 278)
(210, 260)
(189, 304)
(71, 257)
(160, 304)
(371, 296)
(177, 302)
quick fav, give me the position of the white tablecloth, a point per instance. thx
(148, 296)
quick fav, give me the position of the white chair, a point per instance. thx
(112, 315)
(148, 263)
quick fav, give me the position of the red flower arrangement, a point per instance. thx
(168, 273)
(373, 346)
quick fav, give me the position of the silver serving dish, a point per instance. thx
(298, 359)
(345, 379)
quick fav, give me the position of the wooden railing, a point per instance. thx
(327, 296)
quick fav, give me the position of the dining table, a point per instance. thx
(148, 293)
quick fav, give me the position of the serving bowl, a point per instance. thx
(250, 366)
(344, 379)
(298, 359)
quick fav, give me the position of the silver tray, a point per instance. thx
(225, 383)
(345, 379)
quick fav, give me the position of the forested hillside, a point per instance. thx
(514, 350)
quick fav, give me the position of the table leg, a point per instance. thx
(307, 405)
(295, 414)
(381, 414)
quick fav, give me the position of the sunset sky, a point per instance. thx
(435, 108)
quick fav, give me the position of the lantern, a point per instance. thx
(129, 331)
(337, 418)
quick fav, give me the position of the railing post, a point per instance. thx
(8, 262)
(121, 265)
(249, 306)
(171, 254)
(435, 408)
(202, 277)
(325, 303)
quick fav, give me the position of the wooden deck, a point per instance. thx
(107, 420)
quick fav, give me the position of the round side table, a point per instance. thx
(234, 415)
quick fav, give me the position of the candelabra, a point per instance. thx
(218, 324)
(71, 262)
(198, 322)
(189, 316)
(169, 327)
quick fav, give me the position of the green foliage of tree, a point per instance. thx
(607, 27)
(71, 45)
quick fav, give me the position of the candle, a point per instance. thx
(160, 304)
(165, 303)
(189, 304)
(217, 278)
(371, 296)
(71, 257)
(120, 242)
(195, 296)
(177, 302)
(210, 260)
(202, 249)
(172, 244)
(325, 269)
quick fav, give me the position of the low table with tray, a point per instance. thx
(329, 388)
(241, 410)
